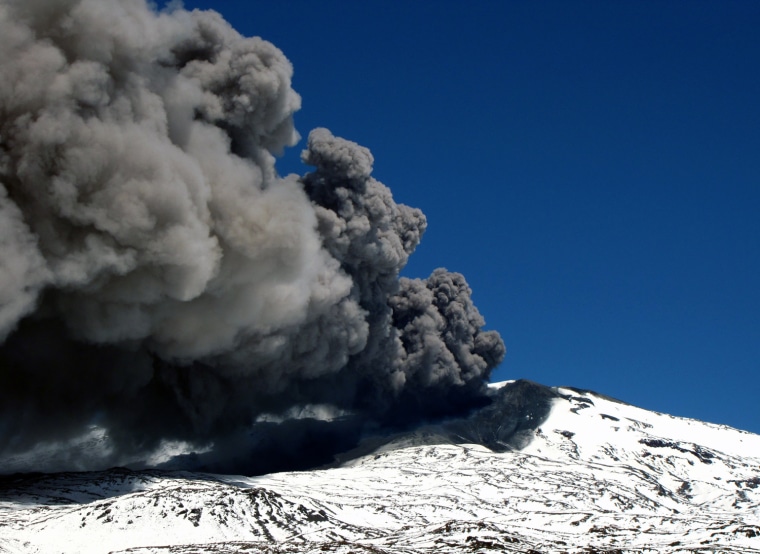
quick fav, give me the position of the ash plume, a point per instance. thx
(159, 279)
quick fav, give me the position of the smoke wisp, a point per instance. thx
(160, 280)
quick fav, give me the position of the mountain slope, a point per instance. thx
(539, 470)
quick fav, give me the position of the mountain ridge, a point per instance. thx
(541, 469)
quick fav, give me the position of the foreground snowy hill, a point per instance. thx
(539, 470)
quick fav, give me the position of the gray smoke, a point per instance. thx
(159, 280)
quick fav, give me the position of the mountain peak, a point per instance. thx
(540, 469)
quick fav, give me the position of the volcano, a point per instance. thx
(539, 469)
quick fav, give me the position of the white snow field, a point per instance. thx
(539, 470)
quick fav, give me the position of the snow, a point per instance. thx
(594, 473)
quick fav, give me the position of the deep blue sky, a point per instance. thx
(593, 168)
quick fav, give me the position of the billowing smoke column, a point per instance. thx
(160, 281)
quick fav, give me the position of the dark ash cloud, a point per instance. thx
(158, 278)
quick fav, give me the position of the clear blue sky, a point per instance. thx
(593, 168)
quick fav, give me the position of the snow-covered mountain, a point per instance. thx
(539, 470)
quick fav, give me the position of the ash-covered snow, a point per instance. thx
(539, 470)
